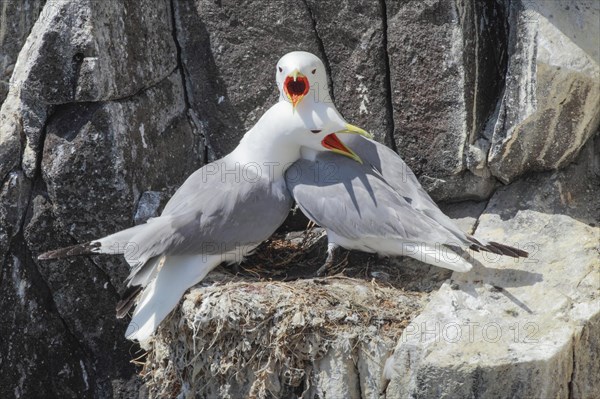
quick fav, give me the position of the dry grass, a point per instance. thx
(266, 331)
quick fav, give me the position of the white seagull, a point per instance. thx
(377, 206)
(221, 213)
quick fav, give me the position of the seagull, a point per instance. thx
(221, 213)
(377, 205)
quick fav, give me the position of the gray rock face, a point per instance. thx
(552, 87)
(230, 69)
(429, 86)
(16, 20)
(89, 59)
(504, 81)
(131, 142)
(310, 349)
(109, 105)
(96, 115)
(148, 206)
(447, 62)
(517, 328)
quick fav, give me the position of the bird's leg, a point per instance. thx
(332, 250)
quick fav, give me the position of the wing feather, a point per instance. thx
(357, 201)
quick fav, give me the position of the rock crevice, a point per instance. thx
(105, 102)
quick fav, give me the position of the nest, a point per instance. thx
(242, 336)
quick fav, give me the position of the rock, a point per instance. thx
(39, 355)
(96, 115)
(14, 33)
(14, 201)
(148, 206)
(465, 214)
(517, 328)
(70, 56)
(229, 51)
(447, 67)
(310, 348)
(132, 142)
(149, 143)
(552, 87)
(80, 295)
(355, 55)
(464, 186)
(10, 137)
(87, 58)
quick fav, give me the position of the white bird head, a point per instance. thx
(280, 134)
(301, 77)
(300, 74)
(281, 130)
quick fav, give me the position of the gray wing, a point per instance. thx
(355, 201)
(400, 177)
(214, 213)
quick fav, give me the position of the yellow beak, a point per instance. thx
(296, 86)
(334, 144)
(356, 130)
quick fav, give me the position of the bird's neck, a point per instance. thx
(259, 153)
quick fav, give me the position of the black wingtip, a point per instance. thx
(127, 300)
(499, 249)
(79, 249)
(508, 250)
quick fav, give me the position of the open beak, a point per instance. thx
(295, 87)
(334, 144)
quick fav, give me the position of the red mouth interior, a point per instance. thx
(332, 142)
(296, 90)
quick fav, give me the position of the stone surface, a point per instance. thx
(109, 105)
(310, 349)
(148, 206)
(517, 328)
(71, 56)
(132, 142)
(443, 57)
(96, 115)
(96, 50)
(552, 87)
(17, 17)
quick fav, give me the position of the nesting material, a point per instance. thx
(243, 336)
(266, 338)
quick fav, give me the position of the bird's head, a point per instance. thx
(322, 135)
(300, 74)
(328, 140)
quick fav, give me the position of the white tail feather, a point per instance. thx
(117, 243)
(433, 254)
(129, 241)
(161, 296)
(440, 256)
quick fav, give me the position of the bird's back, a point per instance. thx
(219, 208)
(401, 179)
(380, 198)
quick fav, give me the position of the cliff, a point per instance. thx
(107, 106)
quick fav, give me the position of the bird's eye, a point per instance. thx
(280, 69)
(315, 131)
(314, 71)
